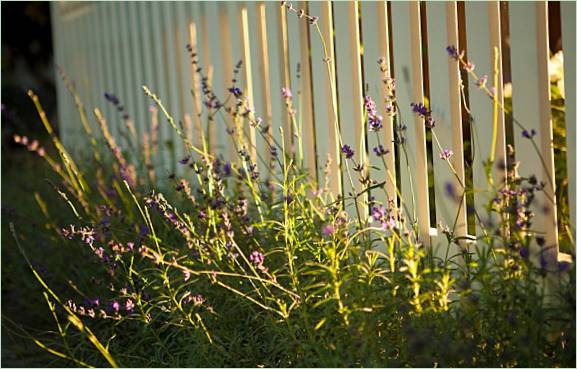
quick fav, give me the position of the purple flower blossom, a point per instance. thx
(227, 169)
(184, 160)
(328, 230)
(111, 98)
(237, 92)
(375, 123)
(115, 306)
(346, 149)
(529, 134)
(419, 108)
(129, 305)
(256, 257)
(314, 19)
(453, 52)
(286, 92)
(380, 150)
(446, 154)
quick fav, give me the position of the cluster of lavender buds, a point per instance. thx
(113, 99)
(348, 151)
(384, 216)
(446, 154)
(33, 145)
(529, 134)
(127, 172)
(375, 121)
(252, 169)
(517, 200)
(257, 258)
(86, 234)
(235, 90)
(158, 202)
(380, 150)
(390, 85)
(211, 100)
(92, 308)
(423, 112)
(197, 300)
(454, 53)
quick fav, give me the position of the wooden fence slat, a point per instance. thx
(258, 80)
(480, 44)
(306, 114)
(195, 41)
(350, 96)
(247, 62)
(568, 38)
(136, 66)
(160, 88)
(230, 58)
(375, 47)
(129, 88)
(408, 74)
(219, 85)
(276, 68)
(445, 103)
(327, 140)
(172, 99)
(531, 107)
(294, 73)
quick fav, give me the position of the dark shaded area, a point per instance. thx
(27, 63)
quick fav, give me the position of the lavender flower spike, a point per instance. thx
(346, 149)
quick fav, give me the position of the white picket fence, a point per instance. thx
(119, 46)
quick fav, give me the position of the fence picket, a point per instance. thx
(375, 47)
(408, 73)
(480, 44)
(247, 58)
(445, 103)
(327, 141)
(531, 107)
(350, 98)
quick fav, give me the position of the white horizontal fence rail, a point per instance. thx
(119, 47)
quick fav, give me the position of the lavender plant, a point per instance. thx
(235, 264)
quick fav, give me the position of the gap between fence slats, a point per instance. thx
(568, 39)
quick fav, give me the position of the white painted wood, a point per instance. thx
(160, 87)
(326, 115)
(408, 75)
(276, 67)
(445, 103)
(376, 46)
(350, 97)
(568, 38)
(483, 34)
(117, 47)
(531, 107)
(140, 113)
(258, 79)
